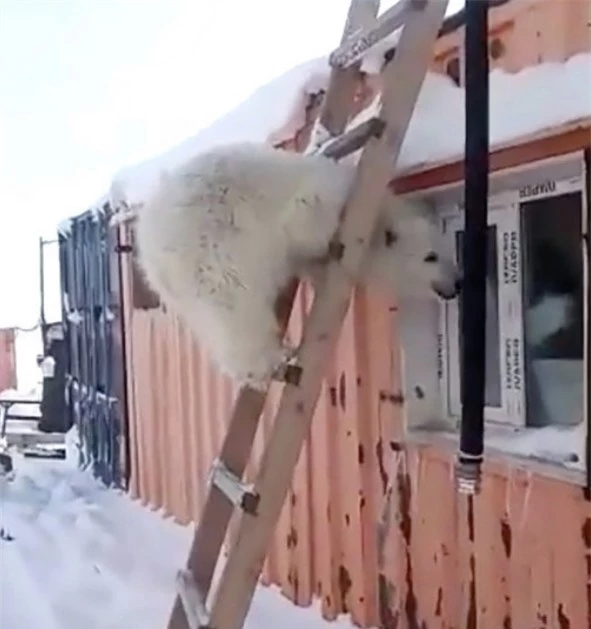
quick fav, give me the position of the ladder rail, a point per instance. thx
(217, 511)
(322, 328)
(381, 139)
(336, 105)
(359, 44)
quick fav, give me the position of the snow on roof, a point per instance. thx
(253, 121)
(535, 99)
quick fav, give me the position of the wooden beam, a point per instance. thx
(343, 82)
(217, 511)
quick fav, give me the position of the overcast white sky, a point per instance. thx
(89, 86)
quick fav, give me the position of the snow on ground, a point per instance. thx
(75, 555)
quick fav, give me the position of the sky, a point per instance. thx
(90, 86)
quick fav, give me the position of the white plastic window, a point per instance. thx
(534, 331)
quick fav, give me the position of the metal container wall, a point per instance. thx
(326, 536)
(95, 393)
(518, 556)
(7, 359)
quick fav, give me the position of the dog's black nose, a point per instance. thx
(446, 293)
(458, 286)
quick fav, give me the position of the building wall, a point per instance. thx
(7, 359)
(518, 555)
(524, 33)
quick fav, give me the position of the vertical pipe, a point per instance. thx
(42, 287)
(473, 303)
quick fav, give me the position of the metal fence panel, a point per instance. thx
(91, 301)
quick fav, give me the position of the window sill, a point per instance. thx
(549, 466)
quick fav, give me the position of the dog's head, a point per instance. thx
(408, 255)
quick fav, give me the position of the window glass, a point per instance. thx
(553, 309)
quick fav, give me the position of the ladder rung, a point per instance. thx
(193, 601)
(358, 44)
(237, 492)
(354, 139)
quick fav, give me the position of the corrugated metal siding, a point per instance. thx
(325, 544)
(519, 557)
(7, 359)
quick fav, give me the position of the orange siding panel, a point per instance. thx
(519, 556)
(7, 359)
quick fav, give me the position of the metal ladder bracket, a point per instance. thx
(192, 600)
(238, 493)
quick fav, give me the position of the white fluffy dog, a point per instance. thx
(222, 235)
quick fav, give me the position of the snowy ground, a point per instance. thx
(75, 555)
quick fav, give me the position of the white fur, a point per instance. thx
(221, 236)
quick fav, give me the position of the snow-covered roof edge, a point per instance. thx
(536, 100)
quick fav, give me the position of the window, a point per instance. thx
(553, 294)
(535, 326)
(504, 371)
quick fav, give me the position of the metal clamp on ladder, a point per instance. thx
(238, 493)
(192, 600)
(381, 140)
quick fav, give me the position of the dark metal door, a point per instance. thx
(93, 316)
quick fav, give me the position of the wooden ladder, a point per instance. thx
(198, 605)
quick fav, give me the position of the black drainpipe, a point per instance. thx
(474, 258)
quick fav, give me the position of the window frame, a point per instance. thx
(504, 212)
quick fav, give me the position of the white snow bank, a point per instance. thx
(531, 101)
(78, 556)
